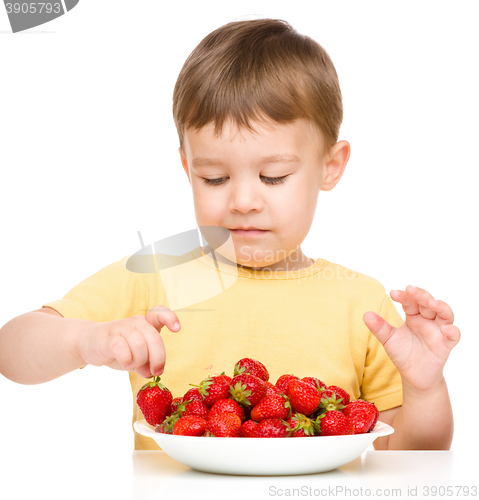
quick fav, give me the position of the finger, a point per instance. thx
(452, 335)
(138, 347)
(379, 327)
(409, 305)
(144, 371)
(444, 314)
(160, 316)
(414, 301)
(156, 349)
(120, 350)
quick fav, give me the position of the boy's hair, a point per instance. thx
(256, 70)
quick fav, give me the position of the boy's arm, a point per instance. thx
(387, 417)
(419, 349)
(42, 345)
(39, 346)
(423, 422)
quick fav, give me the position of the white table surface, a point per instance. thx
(153, 475)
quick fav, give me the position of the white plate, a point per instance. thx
(263, 456)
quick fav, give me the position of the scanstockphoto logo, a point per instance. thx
(184, 282)
(26, 14)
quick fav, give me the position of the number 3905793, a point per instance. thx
(33, 8)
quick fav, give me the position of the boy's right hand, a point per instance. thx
(131, 344)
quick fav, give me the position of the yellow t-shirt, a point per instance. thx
(307, 322)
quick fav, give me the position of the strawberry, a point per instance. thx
(340, 393)
(253, 367)
(272, 389)
(272, 428)
(248, 429)
(303, 397)
(215, 388)
(375, 420)
(190, 425)
(154, 401)
(334, 423)
(166, 427)
(223, 425)
(197, 408)
(275, 406)
(247, 389)
(330, 401)
(315, 382)
(227, 406)
(174, 406)
(193, 395)
(300, 425)
(362, 414)
(283, 382)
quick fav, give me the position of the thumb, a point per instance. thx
(378, 326)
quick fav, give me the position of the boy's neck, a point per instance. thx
(295, 261)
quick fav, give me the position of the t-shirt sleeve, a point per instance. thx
(381, 382)
(112, 293)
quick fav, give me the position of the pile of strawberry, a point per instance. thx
(248, 405)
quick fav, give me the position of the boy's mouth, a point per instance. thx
(250, 231)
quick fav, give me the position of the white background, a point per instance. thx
(88, 157)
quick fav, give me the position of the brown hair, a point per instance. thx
(255, 70)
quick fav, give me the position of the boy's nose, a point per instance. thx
(244, 198)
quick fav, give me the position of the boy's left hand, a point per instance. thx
(421, 346)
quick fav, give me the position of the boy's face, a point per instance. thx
(241, 164)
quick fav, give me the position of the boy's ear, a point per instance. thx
(335, 164)
(184, 162)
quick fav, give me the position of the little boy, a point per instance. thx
(258, 109)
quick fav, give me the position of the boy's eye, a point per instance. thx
(267, 180)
